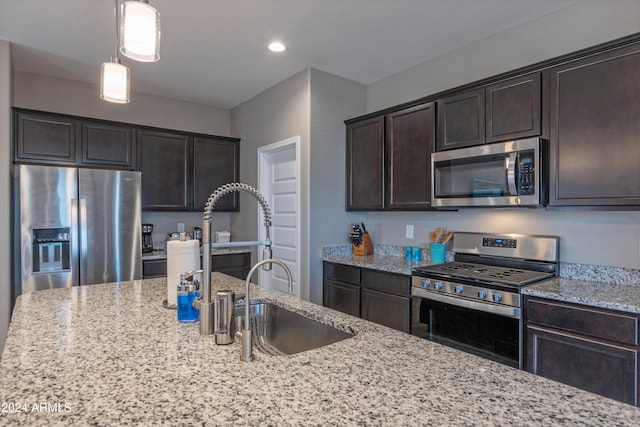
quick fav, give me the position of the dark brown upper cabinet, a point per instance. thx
(215, 162)
(56, 139)
(506, 110)
(105, 144)
(164, 160)
(410, 135)
(44, 138)
(461, 120)
(513, 108)
(365, 165)
(594, 130)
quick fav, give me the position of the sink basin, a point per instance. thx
(278, 331)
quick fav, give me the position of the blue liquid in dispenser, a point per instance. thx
(186, 311)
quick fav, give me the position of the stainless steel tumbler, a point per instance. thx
(223, 322)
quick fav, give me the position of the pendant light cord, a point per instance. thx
(116, 59)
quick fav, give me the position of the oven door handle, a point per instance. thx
(500, 310)
(511, 173)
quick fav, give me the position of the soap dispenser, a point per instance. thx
(187, 293)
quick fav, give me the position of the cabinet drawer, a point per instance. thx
(386, 282)
(230, 260)
(342, 273)
(154, 268)
(595, 323)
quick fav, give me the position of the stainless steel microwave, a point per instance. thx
(502, 174)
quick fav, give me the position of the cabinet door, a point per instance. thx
(594, 128)
(154, 268)
(461, 120)
(105, 144)
(365, 168)
(386, 309)
(45, 138)
(215, 162)
(513, 108)
(410, 135)
(163, 159)
(604, 369)
(342, 297)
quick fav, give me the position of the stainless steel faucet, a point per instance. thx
(206, 304)
(246, 354)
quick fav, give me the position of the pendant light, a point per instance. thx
(140, 31)
(114, 77)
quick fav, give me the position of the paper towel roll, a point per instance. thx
(182, 256)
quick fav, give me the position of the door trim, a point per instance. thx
(263, 152)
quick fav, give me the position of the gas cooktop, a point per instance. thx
(484, 273)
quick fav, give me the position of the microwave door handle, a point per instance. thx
(510, 163)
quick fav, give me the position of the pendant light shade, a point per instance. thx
(140, 31)
(114, 82)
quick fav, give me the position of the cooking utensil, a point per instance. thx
(448, 235)
(439, 233)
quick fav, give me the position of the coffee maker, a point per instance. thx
(147, 242)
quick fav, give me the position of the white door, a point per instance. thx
(279, 182)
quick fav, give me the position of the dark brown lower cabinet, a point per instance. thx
(154, 268)
(341, 288)
(236, 265)
(386, 309)
(591, 349)
(379, 297)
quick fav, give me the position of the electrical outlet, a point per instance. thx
(409, 232)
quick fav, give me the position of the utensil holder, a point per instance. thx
(364, 248)
(436, 252)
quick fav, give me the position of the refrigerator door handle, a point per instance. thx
(83, 241)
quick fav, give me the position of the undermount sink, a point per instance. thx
(278, 331)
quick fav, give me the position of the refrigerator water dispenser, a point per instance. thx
(51, 249)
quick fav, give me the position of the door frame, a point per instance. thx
(263, 186)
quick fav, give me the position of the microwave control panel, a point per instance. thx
(527, 173)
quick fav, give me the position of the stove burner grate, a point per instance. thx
(487, 273)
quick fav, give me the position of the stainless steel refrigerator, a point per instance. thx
(76, 226)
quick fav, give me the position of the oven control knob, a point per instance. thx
(482, 294)
(458, 289)
(426, 283)
(497, 297)
(437, 286)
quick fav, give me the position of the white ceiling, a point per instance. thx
(213, 52)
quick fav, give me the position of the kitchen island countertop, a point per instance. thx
(110, 354)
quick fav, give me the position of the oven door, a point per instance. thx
(500, 174)
(486, 330)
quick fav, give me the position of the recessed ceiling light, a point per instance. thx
(277, 47)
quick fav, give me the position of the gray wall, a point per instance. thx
(46, 93)
(603, 238)
(5, 185)
(585, 24)
(332, 100)
(279, 113)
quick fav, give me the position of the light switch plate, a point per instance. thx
(409, 232)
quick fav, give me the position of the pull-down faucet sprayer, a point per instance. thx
(206, 304)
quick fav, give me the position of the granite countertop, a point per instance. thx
(388, 263)
(597, 286)
(112, 355)
(162, 254)
(623, 297)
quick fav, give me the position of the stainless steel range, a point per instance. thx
(474, 302)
